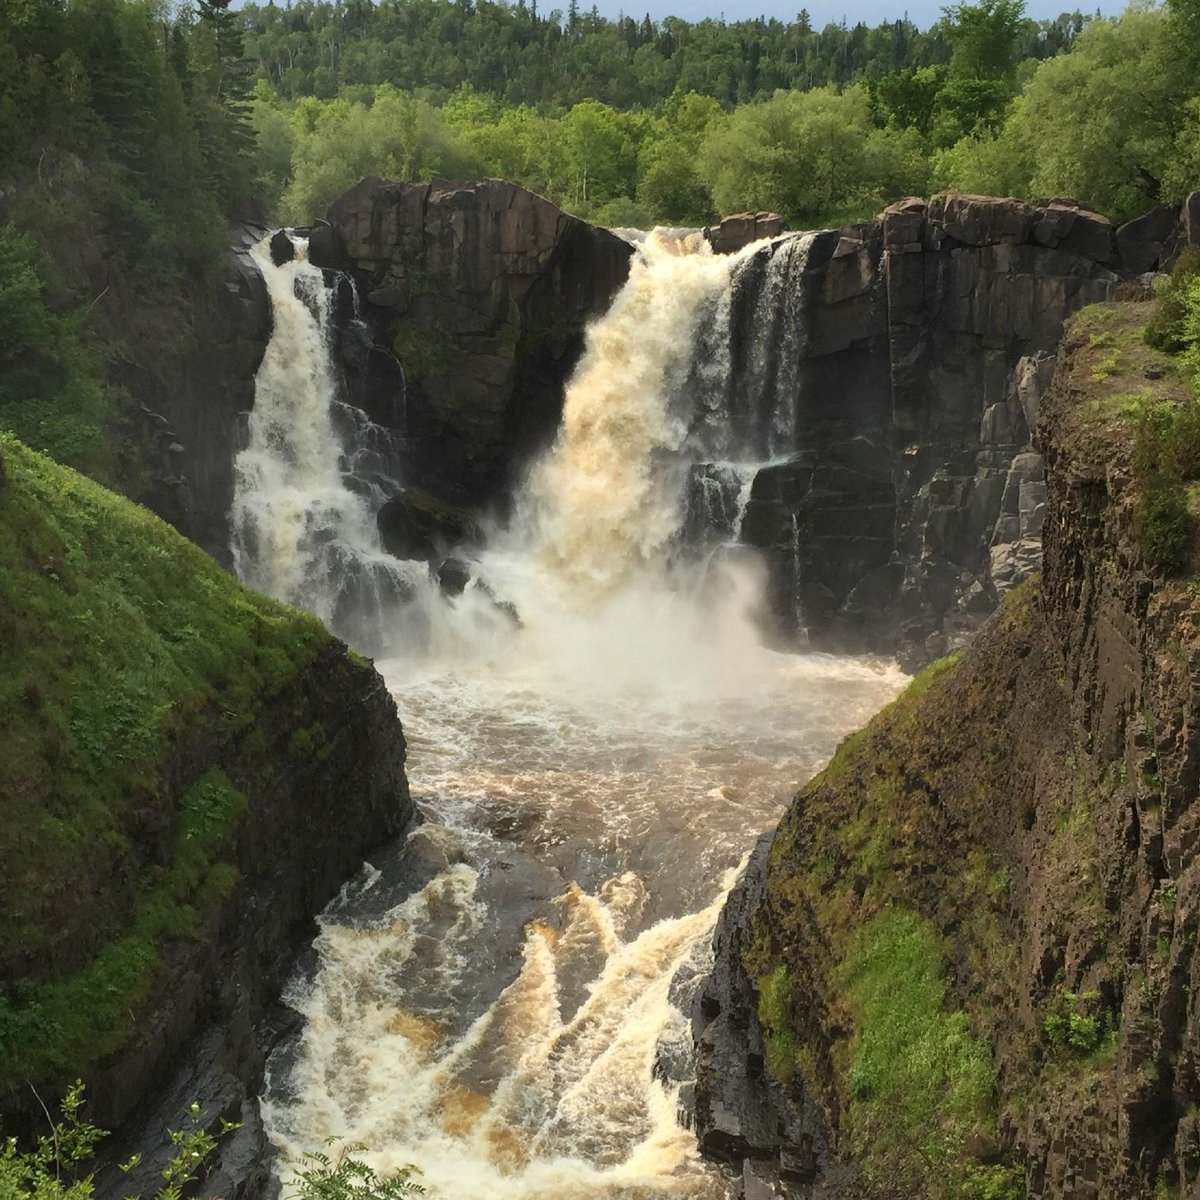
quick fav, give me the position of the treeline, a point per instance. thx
(125, 146)
(1112, 118)
(511, 52)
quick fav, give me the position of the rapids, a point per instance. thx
(490, 1002)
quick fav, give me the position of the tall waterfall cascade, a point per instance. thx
(495, 1002)
(299, 532)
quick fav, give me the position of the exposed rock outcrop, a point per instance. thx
(483, 291)
(1035, 803)
(911, 501)
(735, 232)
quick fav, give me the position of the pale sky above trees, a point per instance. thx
(923, 12)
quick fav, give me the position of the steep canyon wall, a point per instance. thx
(1034, 805)
(883, 378)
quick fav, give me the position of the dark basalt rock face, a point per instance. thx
(1062, 751)
(412, 524)
(482, 290)
(911, 499)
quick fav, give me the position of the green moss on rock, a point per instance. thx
(121, 645)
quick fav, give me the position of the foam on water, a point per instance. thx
(592, 773)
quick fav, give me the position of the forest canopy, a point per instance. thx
(641, 122)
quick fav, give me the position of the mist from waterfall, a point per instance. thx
(596, 735)
(298, 531)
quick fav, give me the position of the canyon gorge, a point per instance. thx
(638, 529)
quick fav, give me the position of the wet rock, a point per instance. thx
(735, 232)
(326, 248)
(283, 249)
(416, 525)
(453, 575)
(482, 291)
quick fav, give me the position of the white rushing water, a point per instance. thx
(488, 1005)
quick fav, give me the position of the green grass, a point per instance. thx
(49, 1030)
(121, 645)
(775, 1016)
(920, 1082)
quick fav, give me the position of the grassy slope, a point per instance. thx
(119, 641)
(969, 822)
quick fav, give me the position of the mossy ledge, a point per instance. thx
(1006, 858)
(190, 772)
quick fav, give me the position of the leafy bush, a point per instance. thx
(55, 1168)
(1164, 525)
(1172, 329)
(345, 1176)
(1074, 1026)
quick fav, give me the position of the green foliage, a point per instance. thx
(1175, 326)
(1107, 123)
(810, 155)
(626, 122)
(346, 1176)
(56, 1167)
(394, 135)
(123, 148)
(920, 1083)
(1165, 525)
(775, 996)
(995, 1181)
(53, 1168)
(118, 640)
(1074, 1026)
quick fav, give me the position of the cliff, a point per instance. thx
(965, 963)
(190, 772)
(909, 498)
(483, 291)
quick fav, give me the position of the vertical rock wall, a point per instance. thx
(913, 497)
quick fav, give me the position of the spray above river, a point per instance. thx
(490, 1005)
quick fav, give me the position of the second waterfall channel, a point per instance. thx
(489, 1002)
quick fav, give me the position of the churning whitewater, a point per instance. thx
(495, 1002)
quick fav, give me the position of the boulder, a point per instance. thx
(1066, 225)
(416, 525)
(453, 575)
(733, 233)
(1143, 242)
(283, 250)
(982, 220)
(326, 248)
(904, 225)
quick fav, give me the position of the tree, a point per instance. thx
(982, 37)
(1109, 122)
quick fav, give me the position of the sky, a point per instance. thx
(822, 12)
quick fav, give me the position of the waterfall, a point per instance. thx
(610, 496)
(298, 531)
(595, 731)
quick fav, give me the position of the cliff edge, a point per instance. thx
(965, 964)
(191, 770)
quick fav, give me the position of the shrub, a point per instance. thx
(1172, 328)
(1074, 1026)
(1164, 525)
